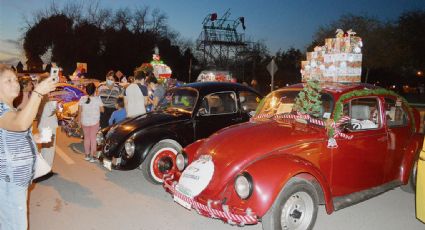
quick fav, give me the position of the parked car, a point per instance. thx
(67, 96)
(190, 112)
(279, 166)
(420, 186)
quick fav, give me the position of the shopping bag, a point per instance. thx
(41, 167)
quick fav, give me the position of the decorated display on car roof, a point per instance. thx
(214, 75)
(339, 60)
(160, 70)
(156, 66)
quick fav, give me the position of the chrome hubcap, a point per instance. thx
(297, 212)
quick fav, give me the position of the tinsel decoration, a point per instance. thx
(308, 100)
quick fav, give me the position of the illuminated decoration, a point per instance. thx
(156, 66)
(145, 67)
(212, 75)
(339, 60)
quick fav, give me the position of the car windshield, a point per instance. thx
(181, 99)
(282, 101)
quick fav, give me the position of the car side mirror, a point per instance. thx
(202, 112)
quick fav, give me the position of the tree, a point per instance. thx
(289, 64)
(308, 100)
(139, 21)
(410, 36)
(105, 39)
(392, 52)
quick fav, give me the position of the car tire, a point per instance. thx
(161, 159)
(410, 187)
(298, 197)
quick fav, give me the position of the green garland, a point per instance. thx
(366, 92)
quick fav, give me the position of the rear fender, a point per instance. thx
(270, 176)
(417, 118)
(411, 154)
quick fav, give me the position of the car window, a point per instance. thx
(394, 113)
(180, 99)
(280, 102)
(363, 112)
(218, 103)
(249, 101)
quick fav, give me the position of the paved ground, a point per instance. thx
(85, 196)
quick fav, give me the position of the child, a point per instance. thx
(119, 114)
(89, 110)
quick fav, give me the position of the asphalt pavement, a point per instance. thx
(86, 196)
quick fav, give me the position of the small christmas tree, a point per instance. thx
(308, 100)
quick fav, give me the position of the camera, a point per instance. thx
(54, 73)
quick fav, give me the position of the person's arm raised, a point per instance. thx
(23, 119)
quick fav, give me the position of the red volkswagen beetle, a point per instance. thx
(279, 166)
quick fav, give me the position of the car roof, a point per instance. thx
(211, 87)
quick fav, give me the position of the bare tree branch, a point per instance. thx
(140, 19)
(122, 18)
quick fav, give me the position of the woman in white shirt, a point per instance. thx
(89, 110)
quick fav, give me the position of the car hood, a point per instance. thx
(232, 149)
(120, 132)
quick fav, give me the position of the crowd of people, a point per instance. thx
(115, 100)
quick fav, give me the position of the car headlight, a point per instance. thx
(130, 147)
(100, 140)
(244, 185)
(181, 161)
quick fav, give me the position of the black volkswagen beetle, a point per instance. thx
(191, 112)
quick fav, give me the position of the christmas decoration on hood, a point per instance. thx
(339, 60)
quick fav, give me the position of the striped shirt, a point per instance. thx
(108, 95)
(17, 154)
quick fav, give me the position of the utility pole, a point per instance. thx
(190, 68)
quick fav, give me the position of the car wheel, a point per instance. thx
(161, 160)
(295, 208)
(410, 187)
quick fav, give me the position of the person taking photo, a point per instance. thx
(17, 148)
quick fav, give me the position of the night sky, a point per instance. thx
(281, 24)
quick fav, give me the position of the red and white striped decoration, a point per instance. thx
(307, 117)
(208, 211)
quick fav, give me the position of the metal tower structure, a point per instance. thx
(220, 41)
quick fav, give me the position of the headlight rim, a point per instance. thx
(102, 139)
(132, 148)
(250, 181)
(185, 161)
